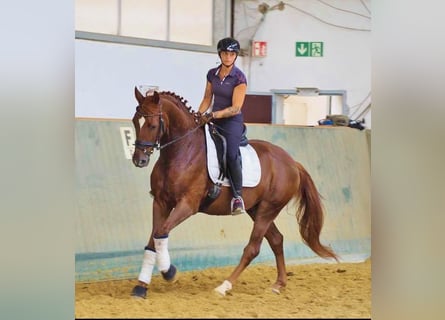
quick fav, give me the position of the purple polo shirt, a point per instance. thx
(223, 89)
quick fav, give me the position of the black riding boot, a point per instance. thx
(235, 175)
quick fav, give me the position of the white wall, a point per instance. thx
(106, 73)
(346, 62)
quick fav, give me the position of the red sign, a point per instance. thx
(259, 48)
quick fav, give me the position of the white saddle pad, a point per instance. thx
(250, 161)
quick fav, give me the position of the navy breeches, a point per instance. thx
(232, 131)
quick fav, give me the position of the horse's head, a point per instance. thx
(149, 126)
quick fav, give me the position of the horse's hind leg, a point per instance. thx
(251, 250)
(275, 240)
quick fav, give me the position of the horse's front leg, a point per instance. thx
(160, 237)
(151, 258)
(156, 251)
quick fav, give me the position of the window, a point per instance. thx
(197, 22)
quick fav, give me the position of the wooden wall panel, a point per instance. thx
(257, 108)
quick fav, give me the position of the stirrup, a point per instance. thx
(238, 210)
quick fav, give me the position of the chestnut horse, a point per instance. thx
(180, 184)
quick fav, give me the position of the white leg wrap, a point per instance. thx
(147, 266)
(224, 287)
(162, 255)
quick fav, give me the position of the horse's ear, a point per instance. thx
(138, 95)
(155, 98)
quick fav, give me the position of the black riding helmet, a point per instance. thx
(228, 44)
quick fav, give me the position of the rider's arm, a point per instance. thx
(207, 99)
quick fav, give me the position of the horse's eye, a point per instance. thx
(141, 121)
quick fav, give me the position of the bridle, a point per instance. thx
(147, 147)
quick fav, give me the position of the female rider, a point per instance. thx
(226, 86)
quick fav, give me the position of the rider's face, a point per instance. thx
(227, 57)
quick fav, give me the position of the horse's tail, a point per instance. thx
(310, 215)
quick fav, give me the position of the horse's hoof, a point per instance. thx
(223, 288)
(276, 288)
(170, 274)
(220, 292)
(139, 292)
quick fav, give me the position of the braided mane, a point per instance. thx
(178, 101)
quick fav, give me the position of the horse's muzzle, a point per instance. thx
(141, 163)
(142, 152)
(140, 159)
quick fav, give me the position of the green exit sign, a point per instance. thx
(309, 49)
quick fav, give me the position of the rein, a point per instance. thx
(143, 145)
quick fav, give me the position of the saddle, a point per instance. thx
(217, 164)
(221, 148)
